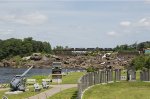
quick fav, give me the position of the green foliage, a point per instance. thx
(133, 47)
(17, 59)
(147, 62)
(58, 50)
(13, 47)
(90, 69)
(141, 62)
(126, 47)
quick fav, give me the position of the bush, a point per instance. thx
(141, 62)
(90, 69)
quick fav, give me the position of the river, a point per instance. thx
(6, 74)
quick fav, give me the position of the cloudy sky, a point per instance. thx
(76, 23)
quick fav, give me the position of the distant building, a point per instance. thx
(147, 51)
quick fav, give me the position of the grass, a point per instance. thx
(122, 90)
(72, 78)
(39, 78)
(138, 75)
(66, 94)
(22, 95)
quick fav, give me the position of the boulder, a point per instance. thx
(1, 64)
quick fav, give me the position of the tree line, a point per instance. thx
(13, 47)
(133, 47)
(125, 47)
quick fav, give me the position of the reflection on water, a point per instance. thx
(6, 74)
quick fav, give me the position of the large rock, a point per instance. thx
(1, 64)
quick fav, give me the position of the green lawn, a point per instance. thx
(66, 94)
(72, 78)
(122, 90)
(22, 95)
(39, 78)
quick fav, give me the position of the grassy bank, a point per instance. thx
(66, 94)
(72, 78)
(123, 90)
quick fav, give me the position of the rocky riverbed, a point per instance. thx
(70, 61)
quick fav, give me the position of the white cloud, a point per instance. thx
(138, 26)
(112, 33)
(144, 22)
(125, 23)
(28, 19)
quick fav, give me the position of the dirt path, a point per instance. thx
(55, 89)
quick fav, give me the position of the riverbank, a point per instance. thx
(96, 60)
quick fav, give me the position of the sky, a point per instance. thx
(77, 23)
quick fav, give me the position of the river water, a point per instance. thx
(6, 74)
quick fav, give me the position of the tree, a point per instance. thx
(90, 69)
(147, 62)
(13, 47)
(141, 62)
(47, 47)
(58, 50)
(138, 62)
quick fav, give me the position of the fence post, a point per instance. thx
(141, 76)
(119, 74)
(111, 75)
(148, 75)
(100, 76)
(107, 74)
(93, 78)
(115, 75)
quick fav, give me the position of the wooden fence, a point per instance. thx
(92, 78)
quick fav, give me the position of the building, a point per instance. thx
(147, 51)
